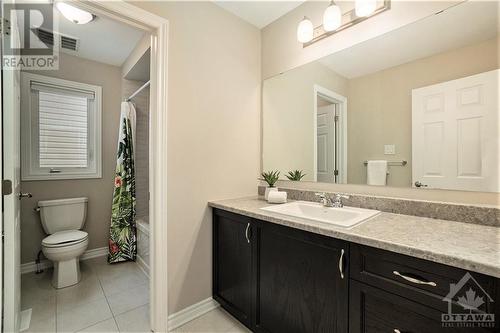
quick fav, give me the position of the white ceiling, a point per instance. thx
(259, 13)
(104, 40)
(459, 26)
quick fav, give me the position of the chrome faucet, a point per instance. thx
(335, 202)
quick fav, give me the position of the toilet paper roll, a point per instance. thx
(277, 197)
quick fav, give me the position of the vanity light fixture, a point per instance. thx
(74, 14)
(365, 8)
(305, 30)
(334, 20)
(332, 17)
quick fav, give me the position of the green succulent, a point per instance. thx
(295, 175)
(271, 177)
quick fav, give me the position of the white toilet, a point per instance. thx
(62, 219)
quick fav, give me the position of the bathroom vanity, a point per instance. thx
(391, 273)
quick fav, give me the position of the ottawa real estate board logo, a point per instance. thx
(29, 36)
(467, 305)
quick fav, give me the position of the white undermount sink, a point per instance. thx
(346, 217)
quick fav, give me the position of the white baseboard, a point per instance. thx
(143, 265)
(44, 264)
(95, 253)
(191, 312)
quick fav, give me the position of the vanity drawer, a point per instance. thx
(419, 280)
(372, 310)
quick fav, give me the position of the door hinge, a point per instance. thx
(6, 187)
(336, 172)
(4, 26)
(336, 118)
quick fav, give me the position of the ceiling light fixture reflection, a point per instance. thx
(332, 17)
(305, 30)
(365, 8)
(74, 14)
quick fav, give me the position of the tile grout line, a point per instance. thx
(107, 302)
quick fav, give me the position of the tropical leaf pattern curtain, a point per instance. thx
(123, 235)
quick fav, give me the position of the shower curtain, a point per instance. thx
(123, 235)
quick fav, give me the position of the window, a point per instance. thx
(61, 129)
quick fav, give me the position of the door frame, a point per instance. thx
(158, 27)
(341, 102)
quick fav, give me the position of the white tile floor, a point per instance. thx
(110, 298)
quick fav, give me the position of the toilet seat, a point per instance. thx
(65, 238)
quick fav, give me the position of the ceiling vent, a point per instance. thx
(47, 37)
(69, 43)
(66, 43)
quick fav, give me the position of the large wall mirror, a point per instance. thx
(416, 107)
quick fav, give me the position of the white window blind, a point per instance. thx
(61, 129)
(63, 126)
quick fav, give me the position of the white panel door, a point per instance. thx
(455, 134)
(326, 144)
(11, 204)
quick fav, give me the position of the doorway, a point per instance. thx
(157, 27)
(330, 136)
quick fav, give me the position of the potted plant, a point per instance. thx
(270, 177)
(295, 175)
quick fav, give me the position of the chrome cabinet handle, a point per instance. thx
(341, 264)
(246, 233)
(414, 280)
(52, 170)
(22, 195)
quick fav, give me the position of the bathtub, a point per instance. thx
(142, 224)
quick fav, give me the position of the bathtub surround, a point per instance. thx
(475, 214)
(99, 191)
(142, 225)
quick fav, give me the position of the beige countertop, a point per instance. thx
(464, 245)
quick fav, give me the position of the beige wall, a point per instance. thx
(281, 51)
(288, 120)
(99, 191)
(213, 133)
(379, 106)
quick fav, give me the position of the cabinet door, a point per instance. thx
(300, 286)
(372, 310)
(232, 264)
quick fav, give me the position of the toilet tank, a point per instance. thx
(63, 214)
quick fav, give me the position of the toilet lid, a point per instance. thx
(63, 237)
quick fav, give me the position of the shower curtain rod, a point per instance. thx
(138, 91)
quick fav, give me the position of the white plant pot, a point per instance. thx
(269, 189)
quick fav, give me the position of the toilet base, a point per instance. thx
(66, 273)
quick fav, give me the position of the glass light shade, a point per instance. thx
(332, 18)
(74, 14)
(365, 8)
(305, 31)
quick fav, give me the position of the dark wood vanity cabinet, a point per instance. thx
(390, 292)
(232, 264)
(302, 281)
(276, 279)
